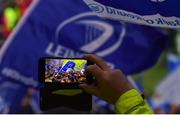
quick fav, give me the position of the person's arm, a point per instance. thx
(113, 87)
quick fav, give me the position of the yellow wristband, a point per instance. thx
(128, 101)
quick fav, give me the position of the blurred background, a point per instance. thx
(11, 11)
(159, 83)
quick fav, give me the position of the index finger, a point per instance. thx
(97, 60)
(95, 71)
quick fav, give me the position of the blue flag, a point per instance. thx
(159, 13)
(68, 28)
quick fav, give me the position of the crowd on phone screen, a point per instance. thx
(56, 74)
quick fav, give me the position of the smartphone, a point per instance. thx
(63, 72)
(63, 75)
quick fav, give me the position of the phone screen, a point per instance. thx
(65, 70)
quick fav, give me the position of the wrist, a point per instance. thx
(122, 91)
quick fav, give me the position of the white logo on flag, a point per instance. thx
(94, 41)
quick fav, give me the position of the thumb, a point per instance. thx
(89, 89)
